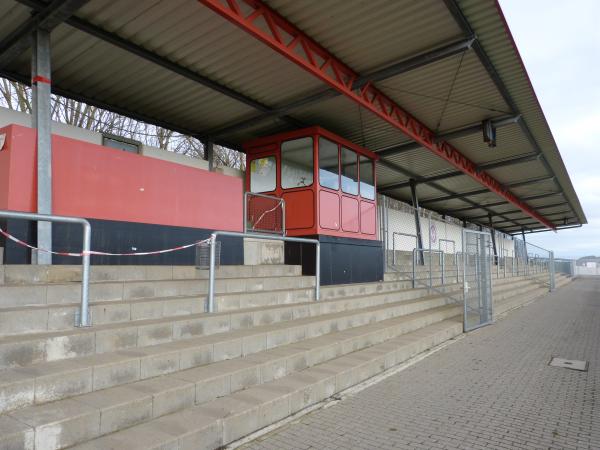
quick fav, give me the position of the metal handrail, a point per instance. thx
(213, 239)
(453, 251)
(84, 317)
(394, 243)
(414, 257)
(281, 202)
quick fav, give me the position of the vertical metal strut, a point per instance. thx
(40, 83)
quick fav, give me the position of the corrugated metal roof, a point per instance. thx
(449, 94)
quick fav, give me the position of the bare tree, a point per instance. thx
(17, 97)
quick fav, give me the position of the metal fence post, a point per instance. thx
(414, 258)
(443, 267)
(551, 270)
(430, 255)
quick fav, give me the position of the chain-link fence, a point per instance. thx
(264, 214)
(434, 255)
(565, 266)
(427, 255)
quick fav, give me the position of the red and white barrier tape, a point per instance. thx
(92, 252)
(279, 203)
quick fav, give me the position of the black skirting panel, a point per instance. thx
(343, 260)
(119, 237)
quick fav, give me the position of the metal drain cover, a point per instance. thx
(569, 364)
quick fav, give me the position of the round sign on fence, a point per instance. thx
(433, 233)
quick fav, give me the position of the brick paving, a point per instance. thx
(492, 389)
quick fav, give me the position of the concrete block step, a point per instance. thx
(43, 382)
(12, 295)
(41, 318)
(232, 417)
(514, 302)
(235, 301)
(22, 350)
(121, 407)
(516, 292)
(32, 274)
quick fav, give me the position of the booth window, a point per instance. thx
(367, 178)
(297, 163)
(263, 174)
(329, 165)
(349, 171)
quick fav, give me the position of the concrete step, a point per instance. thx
(12, 295)
(32, 274)
(48, 381)
(25, 349)
(514, 302)
(229, 418)
(116, 408)
(42, 318)
(516, 291)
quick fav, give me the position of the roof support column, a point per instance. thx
(209, 155)
(415, 204)
(525, 246)
(493, 233)
(41, 121)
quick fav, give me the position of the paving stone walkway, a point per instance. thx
(491, 389)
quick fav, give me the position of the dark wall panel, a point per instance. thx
(343, 260)
(120, 237)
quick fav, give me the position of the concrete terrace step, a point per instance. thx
(514, 302)
(63, 379)
(117, 408)
(41, 318)
(226, 419)
(22, 350)
(32, 274)
(60, 293)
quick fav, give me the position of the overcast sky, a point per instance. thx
(560, 44)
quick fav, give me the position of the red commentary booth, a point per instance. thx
(329, 187)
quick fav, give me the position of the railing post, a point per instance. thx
(443, 267)
(84, 313)
(414, 257)
(552, 271)
(318, 272)
(210, 307)
(246, 212)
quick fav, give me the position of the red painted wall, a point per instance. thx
(97, 182)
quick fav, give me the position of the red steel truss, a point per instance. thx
(266, 25)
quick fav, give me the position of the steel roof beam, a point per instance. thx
(165, 63)
(48, 17)
(444, 176)
(488, 205)
(453, 134)
(518, 211)
(286, 39)
(542, 230)
(485, 60)
(484, 191)
(415, 62)
(434, 185)
(561, 217)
